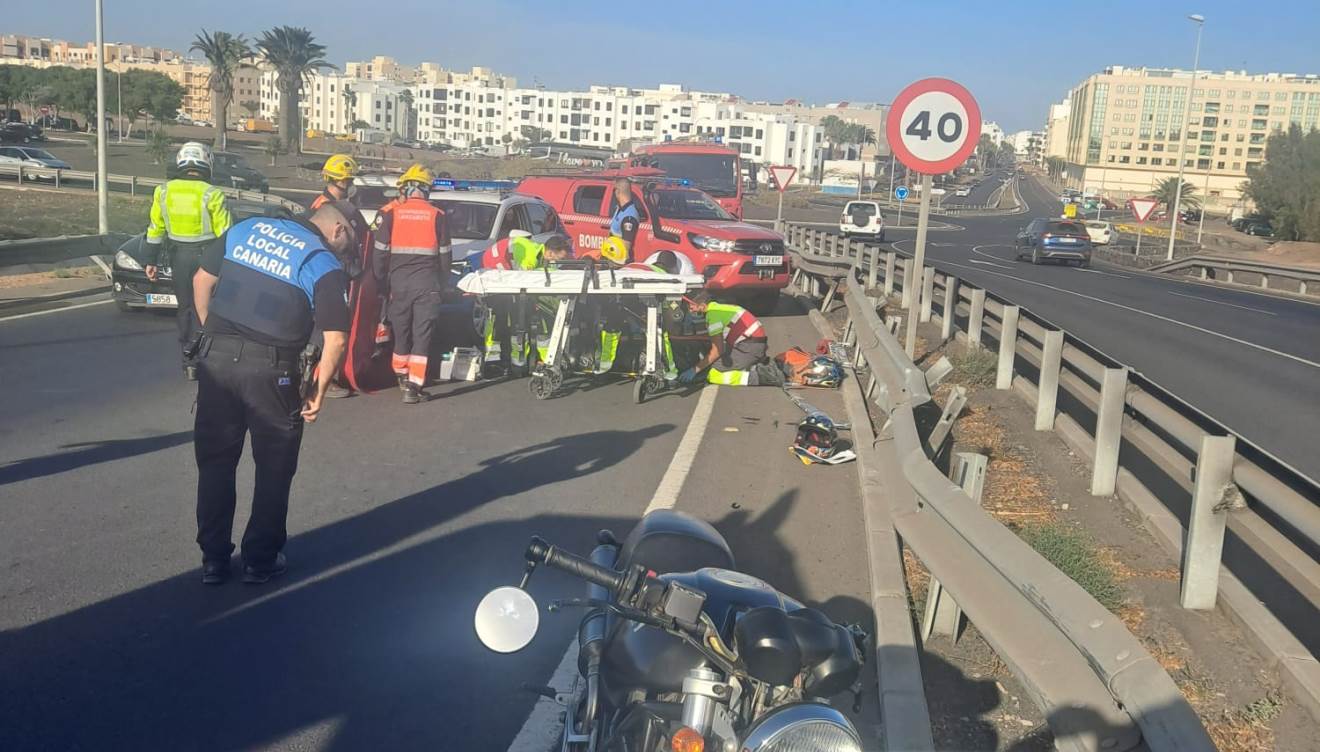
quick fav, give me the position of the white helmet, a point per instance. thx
(193, 155)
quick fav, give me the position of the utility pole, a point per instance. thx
(918, 265)
(102, 185)
(1205, 199)
(119, 102)
(891, 175)
(1199, 20)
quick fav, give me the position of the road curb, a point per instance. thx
(36, 300)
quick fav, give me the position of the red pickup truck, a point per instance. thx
(735, 257)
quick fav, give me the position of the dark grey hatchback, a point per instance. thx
(1046, 239)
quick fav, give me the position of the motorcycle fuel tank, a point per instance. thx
(642, 657)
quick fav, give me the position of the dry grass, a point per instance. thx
(47, 213)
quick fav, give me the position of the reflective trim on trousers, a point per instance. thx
(729, 378)
(417, 370)
(399, 363)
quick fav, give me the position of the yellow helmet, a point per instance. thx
(340, 167)
(614, 249)
(416, 174)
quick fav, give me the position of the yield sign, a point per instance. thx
(783, 176)
(1142, 208)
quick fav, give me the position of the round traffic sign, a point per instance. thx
(901, 192)
(933, 125)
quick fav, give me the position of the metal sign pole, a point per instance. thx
(900, 214)
(779, 216)
(918, 265)
(1141, 230)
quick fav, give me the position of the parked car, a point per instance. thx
(1260, 229)
(862, 219)
(1047, 239)
(735, 257)
(37, 161)
(1240, 223)
(1100, 232)
(228, 168)
(963, 192)
(20, 133)
(130, 288)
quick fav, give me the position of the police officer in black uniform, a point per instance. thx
(261, 287)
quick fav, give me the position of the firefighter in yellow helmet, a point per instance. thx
(412, 249)
(187, 214)
(339, 171)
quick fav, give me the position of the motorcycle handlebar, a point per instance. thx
(541, 552)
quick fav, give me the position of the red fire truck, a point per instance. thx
(713, 167)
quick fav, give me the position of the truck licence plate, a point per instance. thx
(768, 260)
(161, 299)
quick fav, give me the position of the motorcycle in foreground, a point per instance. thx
(679, 651)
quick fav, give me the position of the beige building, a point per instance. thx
(1056, 131)
(1126, 131)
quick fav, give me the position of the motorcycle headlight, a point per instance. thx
(807, 727)
(125, 261)
(707, 243)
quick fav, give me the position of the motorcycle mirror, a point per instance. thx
(507, 619)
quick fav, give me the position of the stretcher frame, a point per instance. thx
(571, 287)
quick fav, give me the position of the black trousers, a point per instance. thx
(414, 308)
(184, 261)
(243, 388)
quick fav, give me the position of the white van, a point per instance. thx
(862, 219)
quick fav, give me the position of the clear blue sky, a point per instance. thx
(1016, 57)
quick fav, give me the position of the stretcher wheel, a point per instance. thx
(639, 390)
(556, 378)
(645, 386)
(540, 386)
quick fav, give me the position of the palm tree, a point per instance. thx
(226, 53)
(295, 55)
(406, 97)
(985, 148)
(251, 106)
(1166, 188)
(350, 103)
(833, 127)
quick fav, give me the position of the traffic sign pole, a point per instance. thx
(779, 216)
(918, 264)
(900, 214)
(1141, 230)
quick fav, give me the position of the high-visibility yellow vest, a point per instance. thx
(188, 211)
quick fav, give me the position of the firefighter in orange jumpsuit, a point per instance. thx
(412, 249)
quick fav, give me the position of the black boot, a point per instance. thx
(412, 394)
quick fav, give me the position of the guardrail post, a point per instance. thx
(20, 173)
(57, 178)
(891, 260)
(132, 185)
(1205, 272)
(1301, 286)
(1007, 347)
(943, 616)
(977, 317)
(1264, 281)
(1108, 431)
(927, 292)
(950, 308)
(1205, 525)
(909, 285)
(873, 273)
(1047, 392)
(1228, 276)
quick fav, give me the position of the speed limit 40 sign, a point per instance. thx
(933, 125)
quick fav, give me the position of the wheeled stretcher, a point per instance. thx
(575, 291)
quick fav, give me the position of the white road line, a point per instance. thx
(542, 728)
(54, 310)
(1193, 327)
(1107, 274)
(988, 263)
(1220, 302)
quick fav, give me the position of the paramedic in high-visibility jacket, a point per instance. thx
(261, 288)
(187, 214)
(412, 250)
(737, 354)
(506, 342)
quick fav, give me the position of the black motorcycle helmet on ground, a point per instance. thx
(817, 436)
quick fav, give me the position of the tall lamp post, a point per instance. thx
(1199, 20)
(102, 185)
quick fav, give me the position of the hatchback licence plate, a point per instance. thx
(768, 260)
(161, 299)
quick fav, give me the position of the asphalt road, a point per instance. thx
(1249, 360)
(402, 517)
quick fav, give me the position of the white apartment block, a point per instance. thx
(1056, 130)
(1129, 127)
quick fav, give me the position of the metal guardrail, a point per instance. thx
(1224, 270)
(1280, 521)
(57, 178)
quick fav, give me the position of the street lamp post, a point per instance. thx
(1199, 20)
(119, 102)
(1205, 199)
(102, 185)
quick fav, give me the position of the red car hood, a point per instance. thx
(739, 230)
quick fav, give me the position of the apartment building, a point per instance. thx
(1056, 130)
(1126, 131)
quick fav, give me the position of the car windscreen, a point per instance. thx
(716, 174)
(1098, 225)
(39, 154)
(1065, 228)
(688, 205)
(374, 196)
(468, 220)
(866, 210)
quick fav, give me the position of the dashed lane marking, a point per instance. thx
(17, 316)
(1220, 302)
